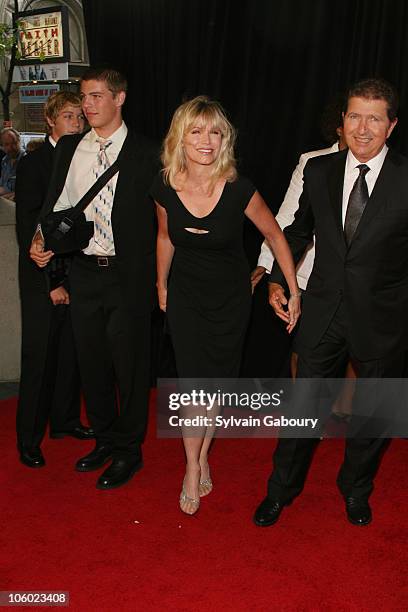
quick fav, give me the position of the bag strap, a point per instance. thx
(94, 190)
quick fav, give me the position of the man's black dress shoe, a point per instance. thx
(81, 433)
(268, 512)
(32, 457)
(358, 511)
(95, 459)
(119, 472)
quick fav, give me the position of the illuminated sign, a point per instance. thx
(36, 94)
(43, 35)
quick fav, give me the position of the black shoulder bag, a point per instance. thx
(66, 231)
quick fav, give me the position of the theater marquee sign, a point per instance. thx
(43, 35)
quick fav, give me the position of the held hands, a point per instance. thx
(37, 252)
(59, 296)
(256, 276)
(278, 300)
(162, 295)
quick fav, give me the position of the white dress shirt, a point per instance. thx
(351, 173)
(286, 215)
(80, 178)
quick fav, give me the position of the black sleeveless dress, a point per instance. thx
(209, 290)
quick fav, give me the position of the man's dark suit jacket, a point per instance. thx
(34, 169)
(133, 218)
(371, 276)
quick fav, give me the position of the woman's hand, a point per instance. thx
(294, 311)
(278, 301)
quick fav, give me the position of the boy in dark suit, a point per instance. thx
(49, 382)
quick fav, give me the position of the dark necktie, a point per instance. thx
(356, 204)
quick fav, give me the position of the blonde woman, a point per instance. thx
(201, 205)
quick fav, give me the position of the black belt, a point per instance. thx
(99, 260)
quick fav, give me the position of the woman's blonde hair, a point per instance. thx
(173, 157)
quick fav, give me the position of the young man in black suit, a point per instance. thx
(112, 280)
(49, 381)
(356, 301)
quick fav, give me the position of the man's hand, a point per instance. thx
(278, 300)
(256, 276)
(59, 296)
(37, 252)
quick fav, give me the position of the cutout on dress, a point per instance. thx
(194, 230)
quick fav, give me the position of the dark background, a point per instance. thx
(273, 64)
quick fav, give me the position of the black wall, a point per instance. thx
(273, 64)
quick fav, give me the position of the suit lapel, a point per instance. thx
(335, 181)
(130, 159)
(378, 196)
(46, 159)
(48, 150)
(126, 161)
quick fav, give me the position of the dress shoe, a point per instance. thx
(95, 459)
(80, 432)
(358, 511)
(268, 512)
(119, 472)
(32, 457)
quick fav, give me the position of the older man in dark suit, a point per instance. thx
(49, 381)
(355, 305)
(112, 279)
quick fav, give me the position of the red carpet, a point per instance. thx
(132, 549)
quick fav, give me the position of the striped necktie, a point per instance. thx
(104, 200)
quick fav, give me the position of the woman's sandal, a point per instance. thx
(205, 487)
(184, 498)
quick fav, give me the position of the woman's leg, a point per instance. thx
(205, 479)
(189, 498)
(197, 481)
